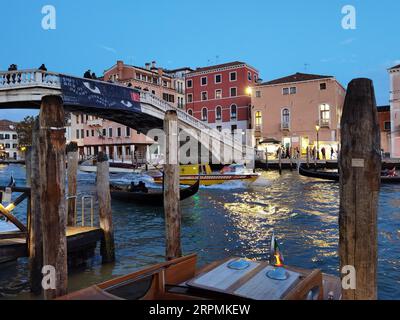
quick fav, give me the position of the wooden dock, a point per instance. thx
(80, 240)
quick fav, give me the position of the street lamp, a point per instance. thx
(249, 91)
(317, 127)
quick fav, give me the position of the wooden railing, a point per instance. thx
(6, 211)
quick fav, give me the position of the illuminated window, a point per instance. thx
(233, 111)
(258, 118)
(324, 112)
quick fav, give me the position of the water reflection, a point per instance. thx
(231, 220)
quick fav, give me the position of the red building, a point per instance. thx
(220, 94)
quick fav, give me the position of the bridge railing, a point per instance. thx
(26, 78)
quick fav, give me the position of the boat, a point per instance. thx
(231, 278)
(190, 173)
(153, 198)
(334, 176)
(90, 166)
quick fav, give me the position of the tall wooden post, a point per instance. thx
(308, 156)
(52, 191)
(35, 221)
(171, 187)
(105, 213)
(28, 165)
(359, 166)
(280, 159)
(72, 172)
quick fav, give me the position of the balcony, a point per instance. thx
(324, 123)
(285, 126)
(95, 123)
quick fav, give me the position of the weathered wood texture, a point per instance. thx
(52, 187)
(359, 167)
(171, 187)
(72, 172)
(28, 165)
(35, 247)
(105, 213)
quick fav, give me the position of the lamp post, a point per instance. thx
(317, 127)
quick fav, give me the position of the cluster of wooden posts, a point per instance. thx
(359, 164)
(52, 209)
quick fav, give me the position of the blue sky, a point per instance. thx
(276, 37)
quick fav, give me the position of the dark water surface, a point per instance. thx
(230, 220)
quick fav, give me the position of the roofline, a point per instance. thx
(282, 83)
(137, 67)
(239, 65)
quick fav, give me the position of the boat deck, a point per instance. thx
(13, 244)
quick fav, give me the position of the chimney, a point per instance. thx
(153, 64)
(147, 64)
(120, 64)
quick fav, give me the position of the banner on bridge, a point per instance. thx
(97, 94)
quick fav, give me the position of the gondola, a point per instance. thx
(149, 198)
(334, 176)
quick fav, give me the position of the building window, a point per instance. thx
(203, 81)
(128, 131)
(218, 94)
(190, 112)
(7, 136)
(15, 146)
(219, 128)
(204, 96)
(92, 133)
(87, 133)
(104, 132)
(233, 111)
(285, 118)
(204, 114)
(82, 133)
(249, 75)
(118, 131)
(258, 118)
(7, 146)
(15, 137)
(285, 91)
(255, 78)
(1, 136)
(218, 113)
(322, 86)
(293, 90)
(232, 76)
(324, 111)
(387, 126)
(77, 119)
(110, 132)
(233, 92)
(77, 134)
(189, 83)
(218, 78)
(258, 94)
(190, 97)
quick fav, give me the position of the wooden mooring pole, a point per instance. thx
(52, 192)
(35, 247)
(171, 187)
(280, 159)
(359, 166)
(105, 213)
(72, 172)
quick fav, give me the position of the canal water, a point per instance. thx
(228, 220)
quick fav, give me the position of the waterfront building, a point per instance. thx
(384, 125)
(9, 140)
(394, 74)
(219, 94)
(120, 143)
(179, 78)
(298, 111)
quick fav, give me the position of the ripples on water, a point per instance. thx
(231, 220)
